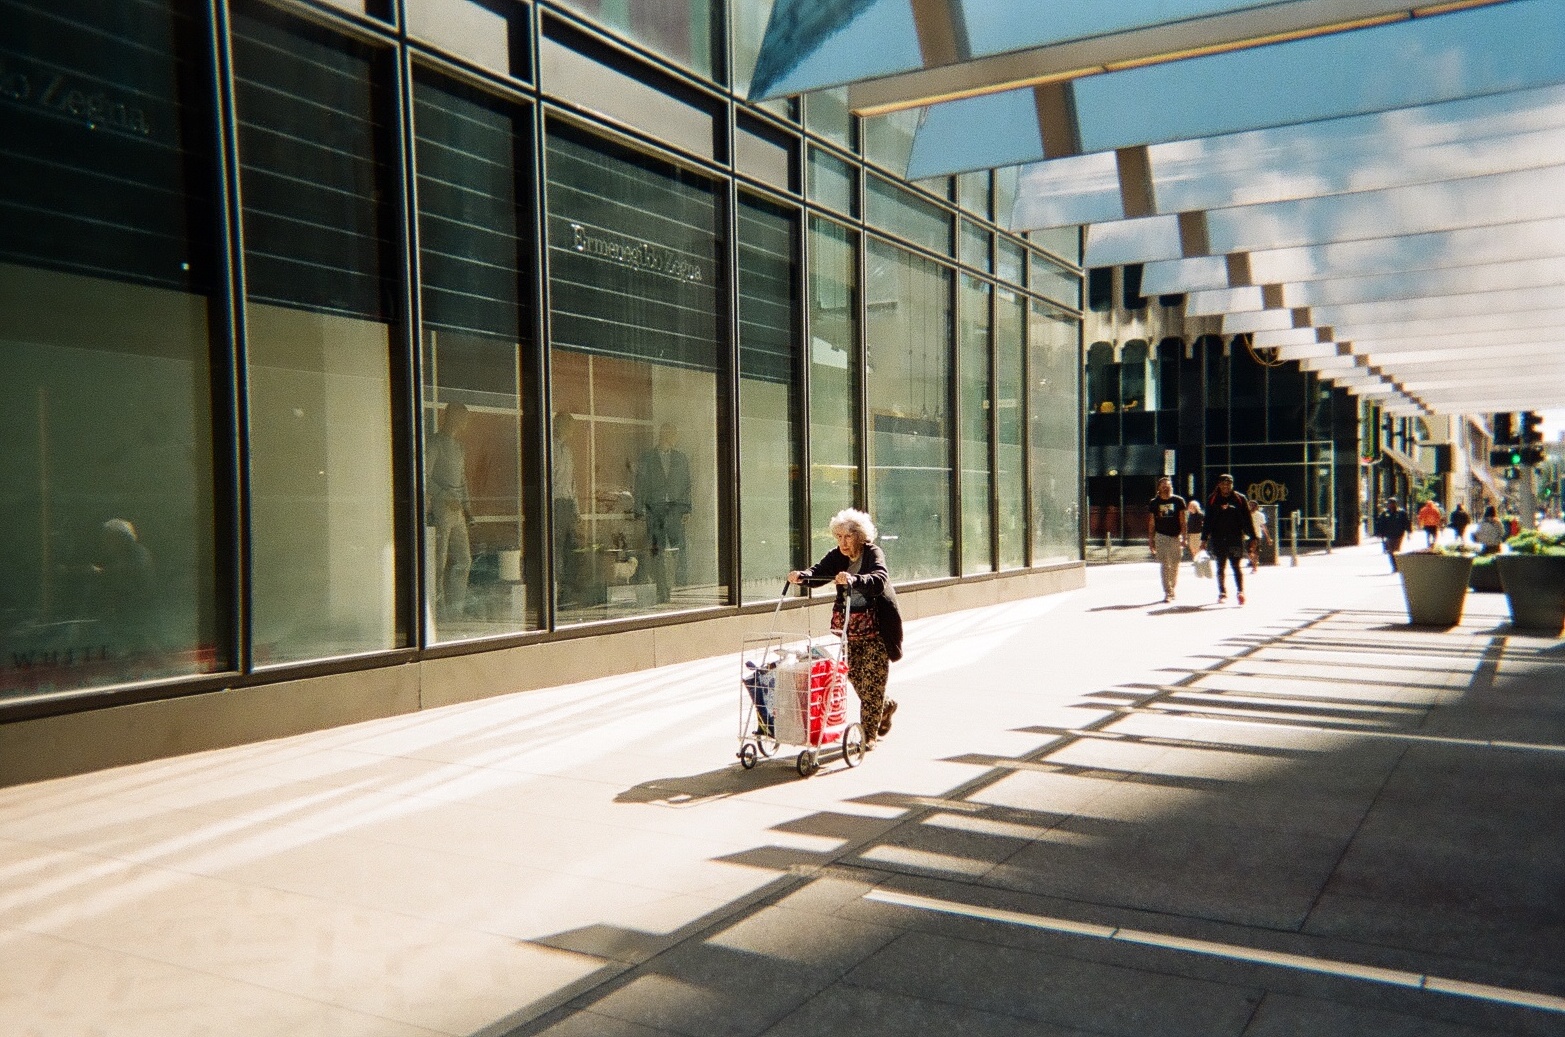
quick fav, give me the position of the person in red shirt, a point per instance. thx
(1430, 520)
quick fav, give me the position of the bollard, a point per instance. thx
(1293, 537)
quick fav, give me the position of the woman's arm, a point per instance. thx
(872, 576)
(821, 573)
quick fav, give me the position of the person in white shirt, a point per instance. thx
(1258, 517)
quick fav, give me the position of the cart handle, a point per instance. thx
(819, 581)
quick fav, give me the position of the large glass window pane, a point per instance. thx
(1010, 321)
(826, 113)
(314, 142)
(748, 19)
(482, 571)
(975, 410)
(770, 490)
(974, 246)
(832, 182)
(906, 215)
(1054, 364)
(633, 285)
(1011, 262)
(107, 272)
(1064, 242)
(908, 301)
(834, 365)
(1006, 183)
(972, 193)
(680, 30)
(888, 139)
(1059, 283)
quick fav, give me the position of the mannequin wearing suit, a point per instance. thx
(662, 496)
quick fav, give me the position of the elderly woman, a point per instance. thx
(874, 634)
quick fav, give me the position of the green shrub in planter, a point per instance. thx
(1534, 581)
(1486, 577)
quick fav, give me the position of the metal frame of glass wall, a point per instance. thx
(398, 372)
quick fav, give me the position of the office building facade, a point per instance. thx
(358, 358)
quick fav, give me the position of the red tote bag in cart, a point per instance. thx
(819, 705)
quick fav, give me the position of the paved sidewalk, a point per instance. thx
(1096, 814)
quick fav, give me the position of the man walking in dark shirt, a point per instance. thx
(1166, 533)
(1228, 528)
(1391, 527)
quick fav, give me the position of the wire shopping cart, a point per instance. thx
(793, 692)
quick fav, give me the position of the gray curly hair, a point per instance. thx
(852, 520)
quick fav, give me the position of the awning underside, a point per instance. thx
(1374, 189)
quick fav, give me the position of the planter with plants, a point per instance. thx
(1533, 573)
(1435, 586)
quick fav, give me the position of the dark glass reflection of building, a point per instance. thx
(1167, 395)
(340, 344)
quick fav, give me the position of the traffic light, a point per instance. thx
(1504, 428)
(1532, 427)
(1533, 454)
(1506, 457)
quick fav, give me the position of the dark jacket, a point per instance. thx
(872, 581)
(1393, 525)
(1228, 519)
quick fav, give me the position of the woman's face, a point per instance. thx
(848, 542)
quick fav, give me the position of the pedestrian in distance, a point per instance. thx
(1258, 519)
(1391, 526)
(1166, 535)
(1430, 520)
(874, 625)
(1194, 520)
(1227, 531)
(1459, 521)
(1490, 534)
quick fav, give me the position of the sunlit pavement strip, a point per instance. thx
(1347, 970)
(1175, 713)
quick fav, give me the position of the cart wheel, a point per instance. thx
(853, 745)
(807, 764)
(768, 745)
(747, 755)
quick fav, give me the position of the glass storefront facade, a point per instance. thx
(340, 343)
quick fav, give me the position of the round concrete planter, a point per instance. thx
(1435, 586)
(1535, 589)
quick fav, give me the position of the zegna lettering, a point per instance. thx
(639, 255)
(57, 93)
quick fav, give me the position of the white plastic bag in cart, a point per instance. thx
(791, 699)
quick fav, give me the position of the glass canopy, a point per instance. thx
(1369, 187)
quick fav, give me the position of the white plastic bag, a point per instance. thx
(1203, 565)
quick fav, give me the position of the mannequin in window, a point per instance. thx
(567, 515)
(662, 497)
(451, 509)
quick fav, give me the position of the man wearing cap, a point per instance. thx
(1228, 529)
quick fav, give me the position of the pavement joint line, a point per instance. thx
(1478, 743)
(1234, 952)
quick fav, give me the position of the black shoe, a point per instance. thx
(885, 719)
